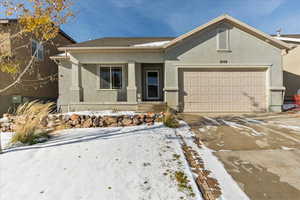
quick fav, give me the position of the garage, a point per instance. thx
(223, 90)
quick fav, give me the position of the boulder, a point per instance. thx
(75, 117)
(150, 114)
(149, 120)
(114, 125)
(96, 121)
(66, 118)
(142, 117)
(75, 122)
(136, 121)
(88, 123)
(6, 115)
(111, 120)
(102, 122)
(127, 121)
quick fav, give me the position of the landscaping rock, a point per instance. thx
(75, 117)
(137, 121)
(111, 120)
(6, 115)
(127, 121)
(88, 123)
(66, 118)
(150, 114)
(53, 121)
(96, 121)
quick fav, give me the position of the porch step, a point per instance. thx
(152, 107)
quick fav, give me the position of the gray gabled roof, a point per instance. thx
(120, 41)
(125, 43)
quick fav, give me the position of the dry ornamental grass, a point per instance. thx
(30, 116)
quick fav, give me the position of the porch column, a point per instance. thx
(131, 88)
(171, 85)
(76, 88)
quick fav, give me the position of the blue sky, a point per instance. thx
(127, 18)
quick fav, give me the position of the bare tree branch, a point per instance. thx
(18, 79)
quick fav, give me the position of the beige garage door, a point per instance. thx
(223, 90)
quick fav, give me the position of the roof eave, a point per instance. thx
(109, 48)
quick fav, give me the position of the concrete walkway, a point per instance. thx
(261, 152)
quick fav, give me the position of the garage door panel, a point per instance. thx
(224, 90)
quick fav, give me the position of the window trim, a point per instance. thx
(122, 66)
(227, 39)
(39, 47)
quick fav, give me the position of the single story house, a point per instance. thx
(291, 66)
(224, 65)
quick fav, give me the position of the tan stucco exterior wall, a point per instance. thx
(291, 72)
(245, 50)
(200, 49)
(36, 89)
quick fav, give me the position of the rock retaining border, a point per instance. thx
(53, 121)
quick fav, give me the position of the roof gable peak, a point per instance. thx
(236, 23)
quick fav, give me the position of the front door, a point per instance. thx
(152, 85)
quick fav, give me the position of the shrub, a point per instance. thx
(170, 120)
(28, 128)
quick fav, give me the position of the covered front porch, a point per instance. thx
(128, 86)
(146, 88)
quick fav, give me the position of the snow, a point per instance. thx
(5, 138)
(288, 39)
(286, 148)
(152, 44)
(116, 163)
(4, 120)
(214, 122)
(102, 113)
(229, 188)
(253, 132)
(288, 106)
(294, 128)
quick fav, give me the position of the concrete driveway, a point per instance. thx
(260, 151)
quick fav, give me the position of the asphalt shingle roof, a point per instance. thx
(119, 41)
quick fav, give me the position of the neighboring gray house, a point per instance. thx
(222, 66)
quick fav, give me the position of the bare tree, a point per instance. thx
(38, 19)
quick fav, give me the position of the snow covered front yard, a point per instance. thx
(134, 163)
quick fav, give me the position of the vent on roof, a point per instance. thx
(279, 32)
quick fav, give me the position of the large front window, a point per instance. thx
(110, 77)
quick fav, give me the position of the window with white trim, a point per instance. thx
(36, 46)
(110, 77)
(223, 39)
